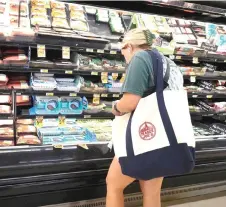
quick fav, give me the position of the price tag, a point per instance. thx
(89, 50)
(123, 78)
(193, 79)
(73, 94)
(113, 52)
(68, 71)
(87, 116)
(100, 51)
(94, 73)
(115, 95)
(178, 57)
(61, 120)
(44, 71)
(195, 60)
(194, 96)
(66, 52)
(172, 57)
(39, 121)
(58, 146)
(41, 51)
(49, 94)
(104, 95)
(114, 76)
(84, 146)
(209, 96)
(104, 77)
(96, 98)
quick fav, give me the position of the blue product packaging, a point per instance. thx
(71, 105)
(46, 105)
(85, 103)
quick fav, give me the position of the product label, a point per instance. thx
(113, 52)
(100, 51)
(41, 51)
(89, 50)
(68, 72)
(66, 52)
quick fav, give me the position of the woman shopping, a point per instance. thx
(152, 131)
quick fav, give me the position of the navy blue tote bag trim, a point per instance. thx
(176, 159)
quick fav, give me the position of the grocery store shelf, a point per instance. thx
(102, 115)
(207, 77)
(206, 96)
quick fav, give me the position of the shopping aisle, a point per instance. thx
(220, 202)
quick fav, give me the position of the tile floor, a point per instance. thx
(219, 202)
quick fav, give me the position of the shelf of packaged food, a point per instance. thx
(49, 45)
(207, 113)
(206, 96)
(194, 77)
(102, 115)
(68, 93)
(73, 71)
(196, 60)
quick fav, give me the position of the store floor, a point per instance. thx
(219, 202)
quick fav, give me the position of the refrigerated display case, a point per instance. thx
(60, 69)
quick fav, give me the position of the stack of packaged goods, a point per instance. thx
(115, 22)
(39, 14)
(63, 131)
(3, 13)
(6, 133)
(78, 19)
(101, 128)
(26, 132)
(59, 16)
(14, 57)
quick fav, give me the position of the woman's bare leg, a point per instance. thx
(151, 190)
(116, 183)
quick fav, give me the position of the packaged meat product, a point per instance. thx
(58, 13)
(18, 85)
(4, 109)
(29, 140)
(23, 33)
(20, 59)
(17, 8)
(25, 121)
(73, 7)
(77, 15)
(22, 100)
(41, 21)
(2, 9)
(60, 23)
(57, 5)
(6, 122)
(37, 10)
(79, 25)
(6, 132)
(13, 51)
(40, 3)
(3, 79)
(15, 21)
(6, 143)
(4, 99)
(26, 129)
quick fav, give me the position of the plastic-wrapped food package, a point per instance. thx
(18, 84)
(66, 84)
(42, 21)
(6, 133)
(3, 79)
(4, 99)
(23, 100)
(4, 109)
(75, 7)
(28, 140)
(6, 143)
(40, 3)
(18, 8)
(71, 105)
(77, 15)
(6, 122)
(94, 108)
(25, 121)
(115, 22)
(79, 25)
(43, 83)
(15, 21)
(102, 15)
(25, 129)
(58, 13)
(60, 23)
(57, 5)
(20, 59)
(90, 10)
(39, 11)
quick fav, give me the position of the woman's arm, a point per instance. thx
(127, 104)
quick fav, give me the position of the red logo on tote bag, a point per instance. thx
(147, 131)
